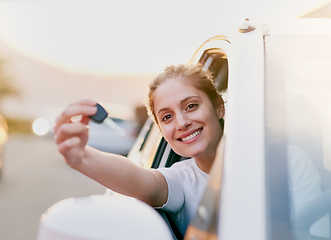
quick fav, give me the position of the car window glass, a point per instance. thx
(216, 61)
(205, 222)
(298, 134)
(117, 120)
(145, 147)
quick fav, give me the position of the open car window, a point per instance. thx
(205, 222)
(145, 148)
(216, 61)
(163, 156)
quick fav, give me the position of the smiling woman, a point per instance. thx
(191, 113)
(188, 120)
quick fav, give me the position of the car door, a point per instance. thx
(298, 91)
(272, 173)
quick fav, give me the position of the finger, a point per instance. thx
(85, 120)
(68, 130)
(86, 101)
(70, 149)
(74, 110)
(68, 144)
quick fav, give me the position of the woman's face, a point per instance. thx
(187, 119)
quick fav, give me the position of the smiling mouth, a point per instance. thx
(196, 133)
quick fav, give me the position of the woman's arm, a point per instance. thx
(123, 176)
(113, 171)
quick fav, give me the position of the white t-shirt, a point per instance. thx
(186, 184)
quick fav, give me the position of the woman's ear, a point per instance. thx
(220, 111)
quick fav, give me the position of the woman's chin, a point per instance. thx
(189, 154)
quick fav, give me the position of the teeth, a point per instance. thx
(191, 136)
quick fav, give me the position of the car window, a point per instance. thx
(298, 136)
(205, 222)
(117, 120)
(216, 61)
(144, 150)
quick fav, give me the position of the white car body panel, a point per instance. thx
(244, 191)
(102, 217)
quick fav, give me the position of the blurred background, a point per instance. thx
(56, 52)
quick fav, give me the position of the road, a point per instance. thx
(35, 176)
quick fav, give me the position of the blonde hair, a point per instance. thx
(193, 75)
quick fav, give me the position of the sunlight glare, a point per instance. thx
(3, 136)
(40, 127)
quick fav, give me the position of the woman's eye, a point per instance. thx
(191, 106)
(166, 117)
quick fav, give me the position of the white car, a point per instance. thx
(271, 178)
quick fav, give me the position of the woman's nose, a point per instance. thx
(182, 122)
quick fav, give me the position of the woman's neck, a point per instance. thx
(205, 162)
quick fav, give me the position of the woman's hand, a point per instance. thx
(113, 171)
(71, 136)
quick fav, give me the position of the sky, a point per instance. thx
(59, 51)
(128, 37)
(99, 37)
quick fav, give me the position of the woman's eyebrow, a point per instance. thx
(181, 102)
(189, 98)
(162, 109)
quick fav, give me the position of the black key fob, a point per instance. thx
(101, 114)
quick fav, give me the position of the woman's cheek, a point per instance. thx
(167, 131)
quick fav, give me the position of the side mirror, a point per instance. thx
(102, 217)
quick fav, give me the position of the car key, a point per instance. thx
(102, 116)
